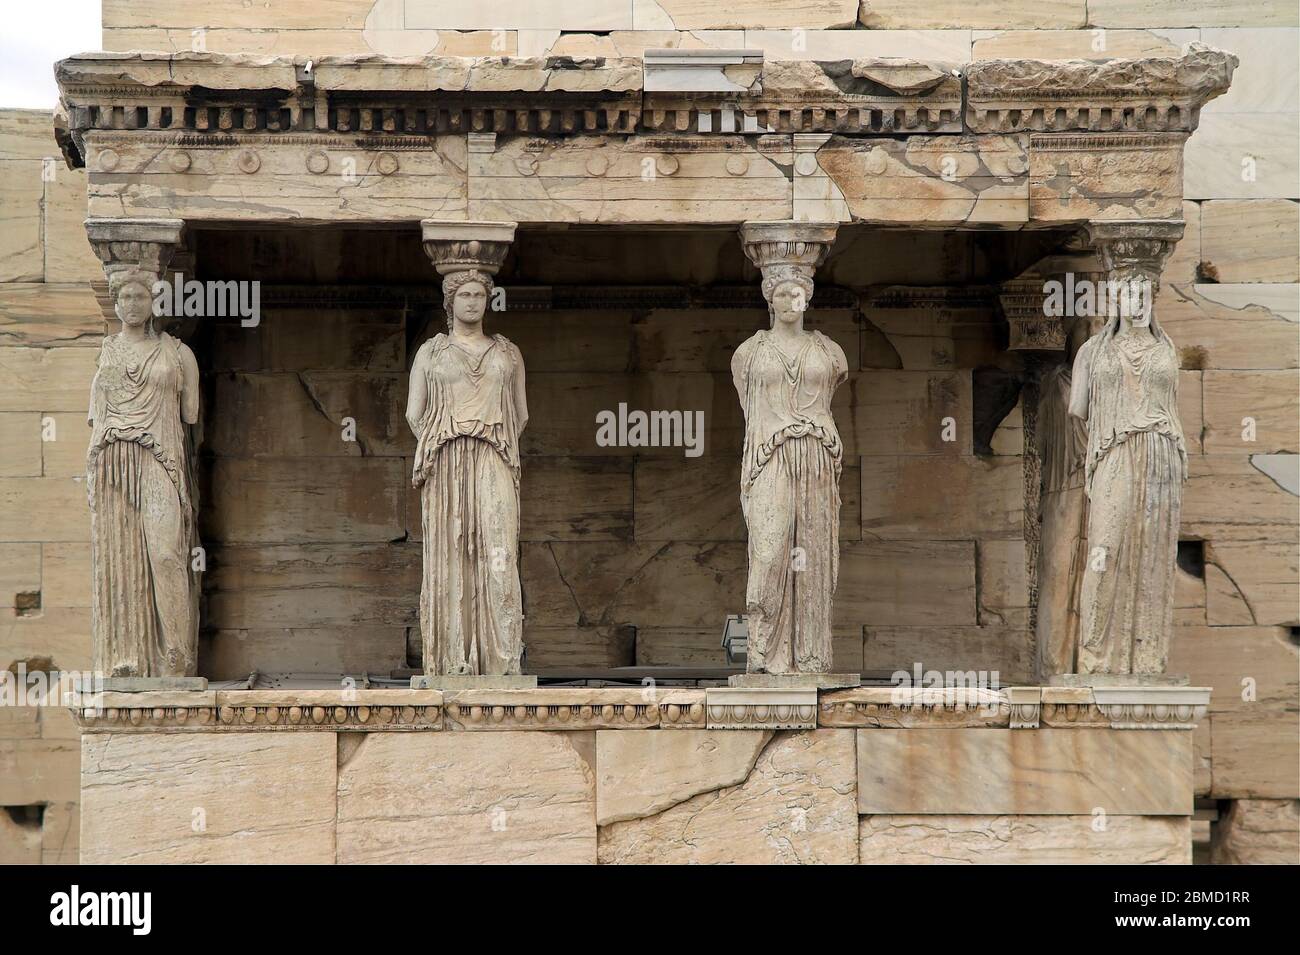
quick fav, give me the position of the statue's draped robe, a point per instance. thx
(790, 495)
(1062, 439)
(140, 485)
(1135, 468)
(467, 469)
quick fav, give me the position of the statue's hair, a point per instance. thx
(120, 278)
(452, 283)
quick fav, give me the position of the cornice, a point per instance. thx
(211, 94)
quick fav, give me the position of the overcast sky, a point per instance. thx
(35, 33)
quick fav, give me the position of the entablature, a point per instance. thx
(211, 95)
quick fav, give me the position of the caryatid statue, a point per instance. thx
(1125, 386)
(467, 408)
(1063, 508)
(785, 376)
(139, 468)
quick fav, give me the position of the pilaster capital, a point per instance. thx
(1038, 303)
(464, 246)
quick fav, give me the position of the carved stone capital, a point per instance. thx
(144, 244)
(1135, 245)
(464, 246)
(787, 250)
(790, 243)
(133, 245)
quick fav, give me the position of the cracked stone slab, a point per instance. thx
(636, 179)
(743, 14)
(642, 774)
(257, 177)
(795, 806)
(1025, 772)
(932, 180)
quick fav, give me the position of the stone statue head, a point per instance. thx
(465, 296)
(788, 290)
(132, 291)
(1132, 296)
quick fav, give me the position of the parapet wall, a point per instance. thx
(868, 775)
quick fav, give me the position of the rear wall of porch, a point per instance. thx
(631, 556)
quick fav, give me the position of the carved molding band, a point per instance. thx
(562, 709)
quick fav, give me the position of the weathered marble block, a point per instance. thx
(794, 805)
(1024, 840)
(1025, 772)
(255, 798)
(452, 798)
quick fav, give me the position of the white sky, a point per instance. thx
(35, 33)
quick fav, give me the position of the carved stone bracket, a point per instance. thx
(1026, 706)
(460, 246)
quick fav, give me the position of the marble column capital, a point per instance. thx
(465, 246)
(801, 246)
(1141, 245)
(146, 245)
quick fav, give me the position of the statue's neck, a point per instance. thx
(468, 331)
(788, 330)
(1126, 327)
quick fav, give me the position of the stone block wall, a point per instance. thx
(617, 776)
(50, 330)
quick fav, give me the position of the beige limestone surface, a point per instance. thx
(1083, 839)
(1009, 771)
(256, 798)
(480, 798)
(795, 806)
